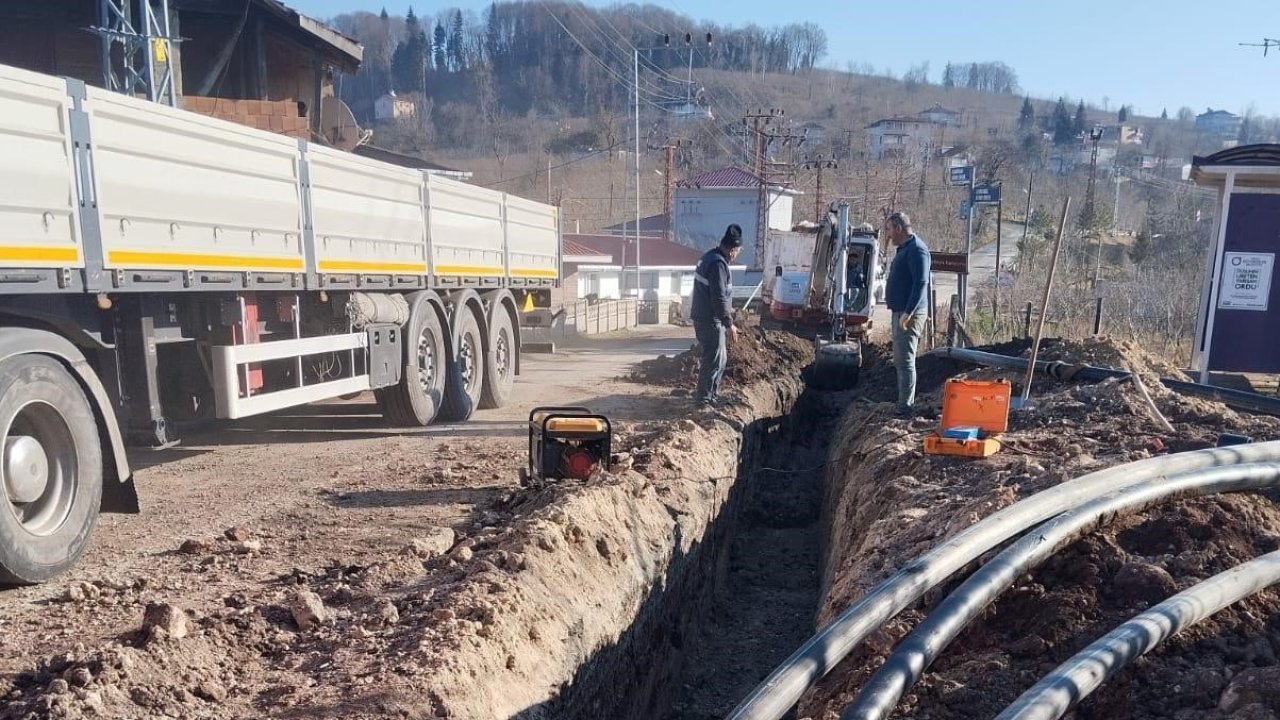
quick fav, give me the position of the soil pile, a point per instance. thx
(888, 503)
(490, 618)
(757, 355)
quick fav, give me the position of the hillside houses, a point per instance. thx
(902, 136)
(1218, 124)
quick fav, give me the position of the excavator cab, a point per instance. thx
(860, 274)
(842, 281)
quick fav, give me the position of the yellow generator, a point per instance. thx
(569, 443)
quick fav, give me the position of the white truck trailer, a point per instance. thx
(159, 267)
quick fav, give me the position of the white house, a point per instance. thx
(604, 267)
(393, 107)
(708, 203)
(909, 137)
(936, 113)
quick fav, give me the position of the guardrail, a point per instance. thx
(586, 318)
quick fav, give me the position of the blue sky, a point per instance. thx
(1150, 54)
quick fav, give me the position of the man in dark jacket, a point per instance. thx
(712, 312)
(906, 295)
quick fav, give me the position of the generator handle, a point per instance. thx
(558, 409)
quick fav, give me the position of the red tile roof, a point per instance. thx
(570, 248)
(654, 251)
(730, 177)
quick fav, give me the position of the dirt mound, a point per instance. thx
(888, 503)
(491, 617)
(757, 355)
(1112, 353)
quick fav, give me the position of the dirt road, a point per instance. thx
(308, 488)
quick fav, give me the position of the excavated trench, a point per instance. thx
(740, 601)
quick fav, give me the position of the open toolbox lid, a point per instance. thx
(976, 403)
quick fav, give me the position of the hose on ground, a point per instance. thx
(772, 698)
(922, 646)
(1075, 679)
(1253, 402)
(1052, 368)
(1239, 399)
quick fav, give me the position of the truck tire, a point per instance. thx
(499, 362)
(466, 371)
(416, 399)
(51, 470)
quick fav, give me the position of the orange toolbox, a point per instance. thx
(974, 414)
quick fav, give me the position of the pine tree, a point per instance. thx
(457, 53)
(1081, 121)
(493, 45)
(385, 17)
(409, 59)
(1123, 114)
(1027, 116)
(1062, 134)
(1143, 247)
(442, 57)
(948, 76)
(1246, 132)
(1164, 114)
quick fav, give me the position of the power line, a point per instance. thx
(541, 170)
(609, 44)
(626, 84)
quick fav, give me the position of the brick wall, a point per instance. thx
(277, 116)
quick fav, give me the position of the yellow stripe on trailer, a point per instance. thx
(371, 266)
(533, 272)
(138, 258)
(39, 253)
(469, 270)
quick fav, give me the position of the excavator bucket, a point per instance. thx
(835, 367)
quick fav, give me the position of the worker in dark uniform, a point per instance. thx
(712, 312)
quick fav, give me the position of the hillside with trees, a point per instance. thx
(536, 99)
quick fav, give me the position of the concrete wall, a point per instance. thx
(700, 216)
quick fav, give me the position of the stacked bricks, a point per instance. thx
(278, 116)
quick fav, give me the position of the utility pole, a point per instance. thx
(635, 83)
(1115, 227)
(1090, 210)
(995, 290)
(1026, 219)
(962, 283)
(819, 164)
(759, 121)
(669, 177)
(669, 149)
(1095, 135)
(635, 69)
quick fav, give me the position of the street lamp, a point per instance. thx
(635, 83)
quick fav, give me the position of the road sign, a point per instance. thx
(949, 263)
(960, 175)
(986, 194)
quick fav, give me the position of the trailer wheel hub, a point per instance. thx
(467, 358)
(426, 360)
(26, 469)
(502, 355)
